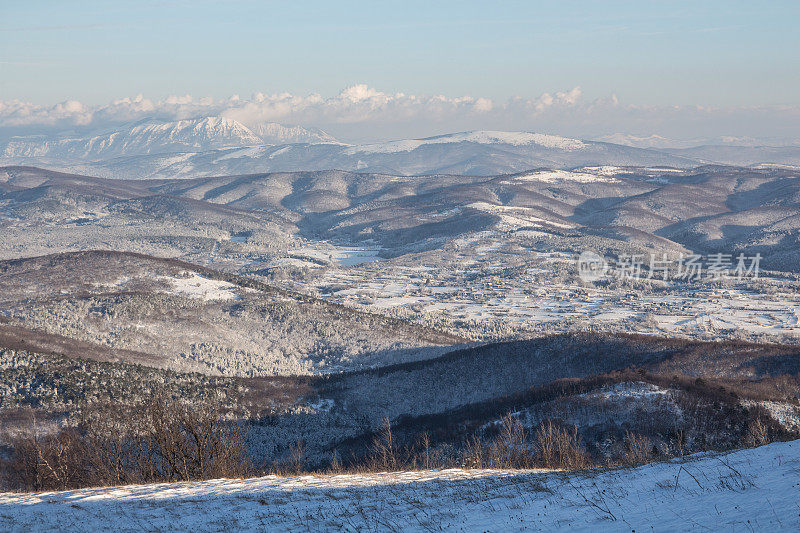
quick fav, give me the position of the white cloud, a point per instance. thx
(357, 103)
(362, 113)
(16, 113)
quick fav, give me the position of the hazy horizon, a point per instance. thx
(365, 72)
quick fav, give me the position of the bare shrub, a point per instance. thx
(336, 464)
(297, 457)
(757, 432)
(425, 457)
(473, 453)
(559, 447)
(638, 449)
(180, 443)
(680, 442)
(510, 448)
(385, 456)
(48, 462)
(162, 440)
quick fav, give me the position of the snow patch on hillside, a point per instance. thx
(636, 391)
(188, 284)
(605, 170)
(513, 217)
(556, 176)
(193, 285)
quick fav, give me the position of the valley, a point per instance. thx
(316, 306)
(320, 266)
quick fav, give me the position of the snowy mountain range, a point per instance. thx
(274, 133)
(219, 146)
(160, 137)
(222, 146)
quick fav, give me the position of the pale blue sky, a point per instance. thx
(722, 53)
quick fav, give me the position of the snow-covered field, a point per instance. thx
(334, 254)
(750, 490)
(193, 285)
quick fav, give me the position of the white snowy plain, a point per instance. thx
(753, 489)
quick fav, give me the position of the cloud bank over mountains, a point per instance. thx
(361, 113)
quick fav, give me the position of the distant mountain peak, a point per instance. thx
(275, 133)
(514, 138)
(213, 131)
(148, 137)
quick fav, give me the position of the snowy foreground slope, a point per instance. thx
(755, 489)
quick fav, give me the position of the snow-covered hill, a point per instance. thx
(743, 155)
(511, 138)
(215, 145)
(274, 133)
(754, 490)
(159, 137)
(238, 150)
